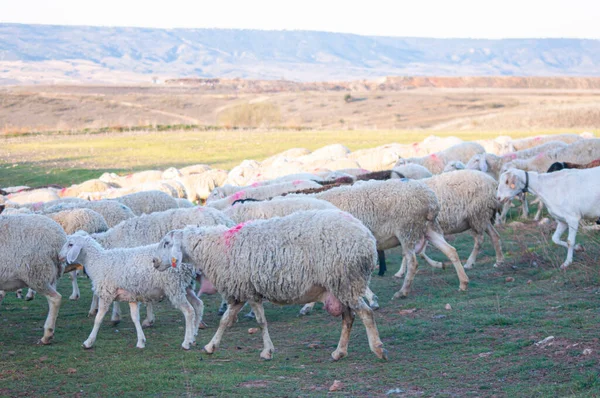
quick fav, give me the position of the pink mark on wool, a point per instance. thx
(259, 174)
(511, 156)
(297, 182)
(540, 155)
(230, 233)
(63, 190)
(537, 138)
(416, 144)
(129, 176)
(200, 208)
(256, 184)
(237, 196)
(37, 206)
(347, 216)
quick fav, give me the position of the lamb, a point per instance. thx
(129, 275)
(112, 211)
(561, 193)
(30, 258)
(150, 228)
(397, 212)
(148, 202)
(436, 162)
(324, 255)
(467, 203)
(412, 171)
(263, 192)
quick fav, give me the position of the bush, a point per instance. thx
(261, 114)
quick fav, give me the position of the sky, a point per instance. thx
(415, 18)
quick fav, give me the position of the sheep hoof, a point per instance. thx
(202, 325)
(87, 345)
(45, 340)
(147, 323)
(381, 353)
(398, 275)
(28, 298)
(564, 266)
(579, 248)
(267, 355)
(463, 287)
(115, 322)
(185, 346)
(92, 313)
(401, 294)
(74, 297)
(141, 344)
(19, 296)
(209, 350)
(374, 305)
(337, 355)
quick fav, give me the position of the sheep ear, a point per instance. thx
(73, 253)
(483, 166)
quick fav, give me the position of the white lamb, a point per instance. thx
(569, 195)
(129, 275)
(324, 255)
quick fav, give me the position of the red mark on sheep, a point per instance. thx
(256, 184)
(540, 155)
(237, 196)
(297, 182)
(230, 233)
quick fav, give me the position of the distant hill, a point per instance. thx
(44, 53)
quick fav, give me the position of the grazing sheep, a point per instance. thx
(411, 171)
(30, 258)
(184, 203)
(129, 275)
(467, 203)
(324, 255)
(147, 202)
(33, 196)
(112, 211)
(263, 192)
(194, 169)
(562, 193)
(556, 166)
(133, 179)
(148, 229)
(454, 165)
(86, 186)
(531, 142)
(436, 162)
(379, 175)
(199, 186)
(376, 159)
(397, 212)
(276, 207)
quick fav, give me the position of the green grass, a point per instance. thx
(37, 160)
(484, 346)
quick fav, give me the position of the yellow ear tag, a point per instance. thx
(173, 262)
(512, 186)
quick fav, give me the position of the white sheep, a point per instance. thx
(133, 179)
(30, 258)
(112, 211)
(148, 229)
(263, 192)
(147, 202)
(412, 171)
(436, 162)
(454, 165)
(129, 275)
(569, 195)
(397, 212)
(324, 255)
(86, 186)
(199, 186)
(530, 142)
(467, 203)
(33, 196)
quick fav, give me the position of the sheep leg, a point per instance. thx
(573, 226)
(366, 316)
(561, 227)
(524, 207)
(54, 299)
(478, 240)
(30, 294)
(190, 316)
(134, 309)
(495, 237)
(116, 313)
(433, 263)
(437, 239)
(382, 264)
(538, 213)
(75, 295)
(411, 266)
(94, 306)
(102, 310)
(198, 309)
(150, 318)
(19, 294)
(505, 208)
(347, 321)
(307, 308)
(228, 318)
(222, 307)
(269, 348)
(372, 299)
(2, 295)
(402, 269)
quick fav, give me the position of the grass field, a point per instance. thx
(483, 346)
(72, 158)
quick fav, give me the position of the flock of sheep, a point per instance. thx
(296, 228)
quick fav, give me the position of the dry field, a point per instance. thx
(67, 108)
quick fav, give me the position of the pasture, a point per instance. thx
(483, 346)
